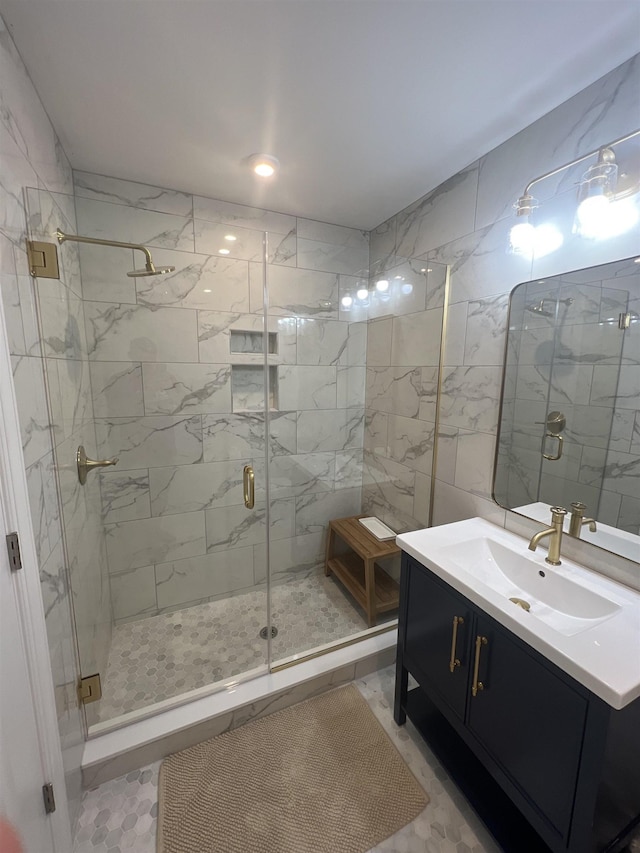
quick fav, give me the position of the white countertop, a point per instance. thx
(604, 656)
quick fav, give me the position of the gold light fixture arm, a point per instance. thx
(76, 238)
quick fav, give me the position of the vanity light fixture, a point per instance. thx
(382, 285)
(602, 211)
(346, 301)
(264, 165)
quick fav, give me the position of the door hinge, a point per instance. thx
(624, 321)
(13, 550)
(43, 259)
(49, 799)
(90, 689)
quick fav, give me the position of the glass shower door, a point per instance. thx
(164, 553)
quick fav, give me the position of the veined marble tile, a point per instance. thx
(480, 263)
(629, 517)
(295, 292)
(572, 384)
(382, 241)
(201, 577)
(131, 544)
(440, 216)
(454, 504)
(226, 213)
(375, 431)
(70, 395)
(242, 435)
(12, 308)
(427, 411)
(125, 495)
(416, 338)
(247, 245)
(322, 342)
(150, 441)
(394, 389)
(314, 512)
(306, 387)
(357, 344)
(301, 474)
(592, 343)
(205, 281)
(447, 451)
(379, 342)
(104, 273)
(348, 469)
(402, 289)
(117, 389)
(296, 556)
(613, 386)
(63, 334)
(138, 333)
(214, 336)
(422, 499)
(237, 527)
(330, 429)
(455, 333)
(338, 235)
(635, 436)
(131, 194)
(134, 593)
(390, 481)
(470, 397)
(43, 503)
(329, 257)
(350, 386)
(589, 425)
(351, 309)
(486, 329)
(410, 442)
(622, 430)
(28, 380)
(189, 488)
(133, 225)
(172, 389)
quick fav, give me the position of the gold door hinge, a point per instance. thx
(90, 689)
(43, 259)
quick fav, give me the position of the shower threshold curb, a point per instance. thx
(118, 752)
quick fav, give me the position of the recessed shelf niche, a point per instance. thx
(253, 342)
(247, 387)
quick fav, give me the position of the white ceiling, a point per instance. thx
(368, 104)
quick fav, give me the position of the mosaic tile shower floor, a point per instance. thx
(163, 656)
(120, 815)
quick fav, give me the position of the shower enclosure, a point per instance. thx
(232, 392)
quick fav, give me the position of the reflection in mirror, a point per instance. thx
(570, 415)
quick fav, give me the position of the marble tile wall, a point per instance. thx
(465, 222)
(31, 156)
(177, 386)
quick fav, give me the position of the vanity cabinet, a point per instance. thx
(528, 744)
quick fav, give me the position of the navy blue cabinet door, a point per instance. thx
(441, 666)
(530, 721)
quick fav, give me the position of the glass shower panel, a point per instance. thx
(165, 374)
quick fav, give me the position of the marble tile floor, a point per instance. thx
(163, 656)
(120, 815)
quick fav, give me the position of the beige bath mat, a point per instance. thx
(318, 777)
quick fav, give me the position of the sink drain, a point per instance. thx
(264, 632)
(521, 603)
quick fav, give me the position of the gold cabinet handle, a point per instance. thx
(478, 685)
(249, 487)
(550, 456)
(453, 660)
(85, 464)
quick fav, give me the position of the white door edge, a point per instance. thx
(16, 515)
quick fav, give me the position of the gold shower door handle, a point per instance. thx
(453, 660)
(550, 456)
(85, 464)
(249, 481)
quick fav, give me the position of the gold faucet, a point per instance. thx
(555, 536)
(578, 520)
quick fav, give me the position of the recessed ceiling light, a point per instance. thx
(230, 238)
(264, 165)
(224, 251)
(207, 290)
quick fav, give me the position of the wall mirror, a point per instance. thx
(570, 414)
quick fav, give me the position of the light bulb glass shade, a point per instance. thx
(521, 238)
(382, 285)
(406, 289)
(346, 301)
(600, 218)
(547, 239)
(362, 293)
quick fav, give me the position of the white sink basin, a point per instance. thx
(585, 623)
(564, 604)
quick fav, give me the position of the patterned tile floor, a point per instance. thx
(163, 656)
(120, 815)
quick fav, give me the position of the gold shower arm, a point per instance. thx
(76, 238)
